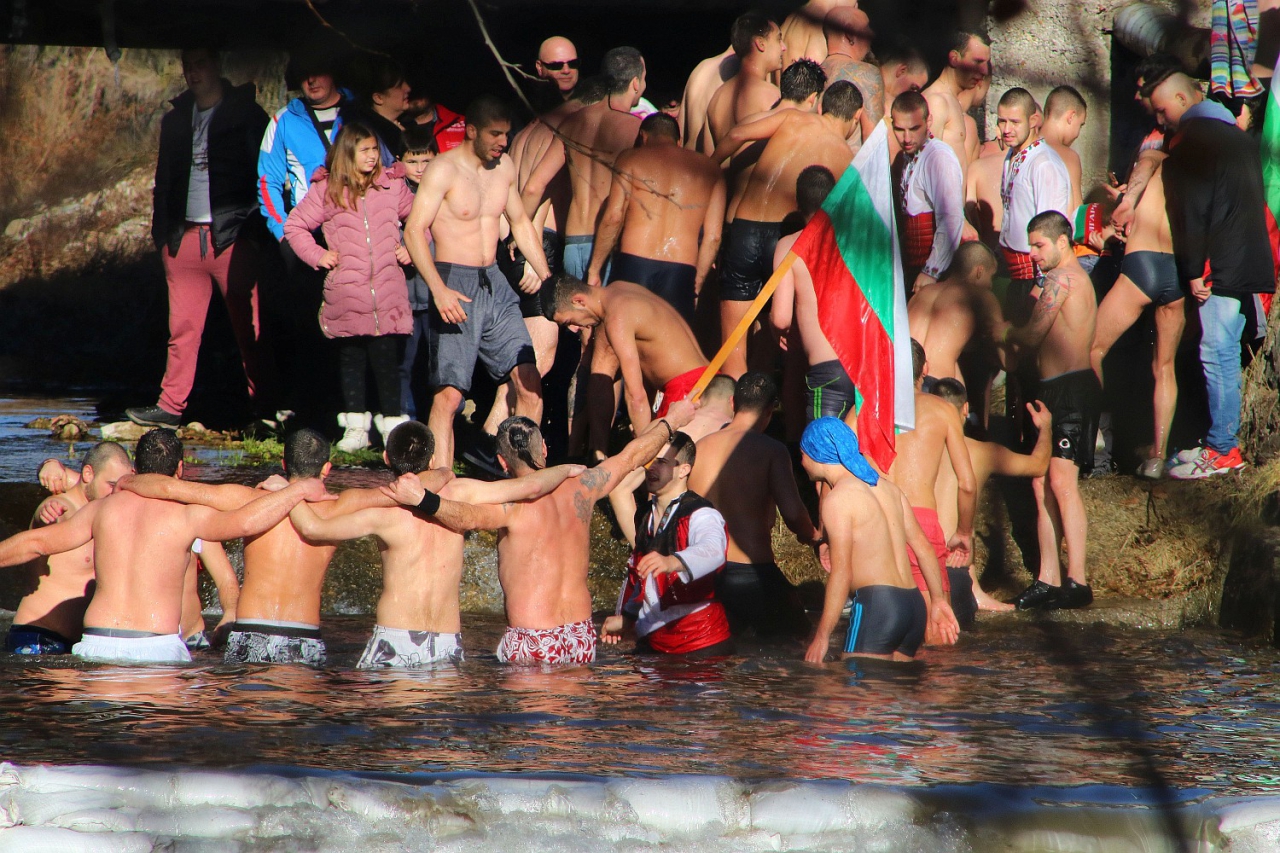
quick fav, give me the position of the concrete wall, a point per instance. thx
(1062, 41)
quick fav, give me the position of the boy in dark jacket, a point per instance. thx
(415, 389)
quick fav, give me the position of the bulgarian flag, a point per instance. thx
(851, 250)
(1271, 168)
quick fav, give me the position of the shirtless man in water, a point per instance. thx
(477, 315)
(796, 140)
(599, 133)
(707, 76)
(939, 432)
(647, 340)
(847, 30)
(1148, 274)
(667, 203)
(757, 42)
(870, 529)
(141, 551)
(947, 315)
(50, 616)
(968, 62)
(544, 545)
(1060, 332)
(988, 458)
(418, 616)
(748, 477)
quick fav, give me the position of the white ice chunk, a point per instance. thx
(41, 839)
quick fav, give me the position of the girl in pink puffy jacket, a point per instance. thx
(358, 205)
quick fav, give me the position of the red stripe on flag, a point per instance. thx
(857, 335)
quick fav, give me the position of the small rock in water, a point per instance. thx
(69, 428)
(123, 431)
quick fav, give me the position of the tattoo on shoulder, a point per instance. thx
(594, 479)
(582, 507)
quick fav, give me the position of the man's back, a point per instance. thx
(1149, 231)
(948, 117)
(874, 517)
(605, 133)
(59, 586)
(1067, 343)
(141, 549)
(543, 558)
(671, 188)
(944, 317)
(707, 76)
(527, 149)
(915, 470)
(803, 140)
(283, 575)
(735, 470)
(743, 96)
(663, 341)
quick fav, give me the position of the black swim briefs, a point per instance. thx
(830, 391)
(746, 258)
(673, 282)
(758, 596)
(1075, 401)
(513, 268)
(1154, 273)
(886, 619)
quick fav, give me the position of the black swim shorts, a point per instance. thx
(513, 268)
(746, 258)
(886, 619)
(830, 391)
(759, 597)
(673, 282)
(963, 602)
(1075, 401)
(1154, 273)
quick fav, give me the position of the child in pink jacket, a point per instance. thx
(358, 204)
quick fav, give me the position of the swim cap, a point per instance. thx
(829, 441)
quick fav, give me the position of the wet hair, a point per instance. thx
(346, 182)
(969, 256)
(305, 453)
(909, 102)
(842, 100)
(683, 448)
(1051, 224)
(917, 360)
(102, 453)
(591, 90)
(803, 78)
(661, 124)
(813, 186)
(959, 41)
(159, 451)
(520, 443)
(620, 66)
(902, 53)
(951, 390)
(720, 387)
(418, 139)
(1063, 99)
(1154, 70)
(748, 27)
(485, 110)
(409, 448)
(563, 288)
(755, 391)
(1019, 97)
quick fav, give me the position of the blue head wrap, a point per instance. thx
(829, 441)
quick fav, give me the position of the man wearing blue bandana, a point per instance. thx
(869, 526)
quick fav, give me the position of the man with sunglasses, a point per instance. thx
(558, 64)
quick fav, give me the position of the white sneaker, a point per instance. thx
(386, 423)
(1182, 457)
(356, 436)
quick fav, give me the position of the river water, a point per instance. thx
(1028, 735)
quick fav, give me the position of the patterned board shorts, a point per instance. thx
(574, 644)
(271, 645)
(400, 648)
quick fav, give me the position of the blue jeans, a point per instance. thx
(415, 387)
(1222, 324)
(577, 257)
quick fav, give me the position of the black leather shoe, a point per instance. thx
(1073, 595)
(153, 416)
(1038, 595)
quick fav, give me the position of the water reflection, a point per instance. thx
(1013, 704)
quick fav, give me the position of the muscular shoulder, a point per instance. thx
(942, 102)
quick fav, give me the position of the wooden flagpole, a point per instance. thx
(732, 341)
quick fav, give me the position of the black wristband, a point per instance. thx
(671, 433)
(430, 503)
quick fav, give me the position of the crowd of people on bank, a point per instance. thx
(416, 246)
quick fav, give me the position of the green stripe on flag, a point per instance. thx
(866, 246)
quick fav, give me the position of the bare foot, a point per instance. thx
(986, 602)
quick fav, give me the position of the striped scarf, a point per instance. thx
(1232, 45)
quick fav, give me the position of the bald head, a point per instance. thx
(558, 63)
(1176, 94)
(973, 263)
(847, 29)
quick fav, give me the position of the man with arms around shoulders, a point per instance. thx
(757, 42)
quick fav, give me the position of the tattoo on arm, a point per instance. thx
(594, 479)
(1055, 290)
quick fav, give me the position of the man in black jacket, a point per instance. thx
(1217, 214)
(204, 212)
